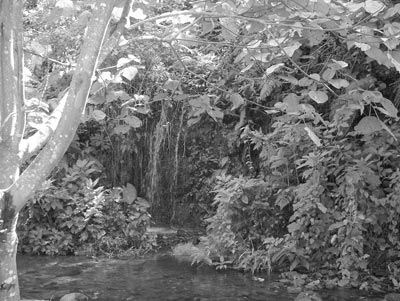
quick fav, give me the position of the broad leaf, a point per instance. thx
(129, 72)
(129, 193)
(133, 121)
(98, 115)
(289, 50)
(368, 125)
(318, 96)
(339, 83)
(236, 100)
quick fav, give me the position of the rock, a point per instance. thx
(74, 297)
(308, 296)
(392, 297)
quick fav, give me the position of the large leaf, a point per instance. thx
(388, 108)
(318, 96)
(368, 125)
(289, 50)
(339, 83)
(98, 115)
(133, 121)
(129, 193)
(374, 6)
(129, 72)
(291, 102)
(236, 100)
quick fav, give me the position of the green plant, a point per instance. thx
(72, 215)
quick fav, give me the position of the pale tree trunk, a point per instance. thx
(16, 189)
(11, 132)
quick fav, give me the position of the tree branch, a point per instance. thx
(50, 155)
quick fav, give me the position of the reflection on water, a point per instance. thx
(154, 278)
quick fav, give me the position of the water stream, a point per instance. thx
(152, 278)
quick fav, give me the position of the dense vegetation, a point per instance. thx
(274, 124)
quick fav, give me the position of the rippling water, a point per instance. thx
(153, 278)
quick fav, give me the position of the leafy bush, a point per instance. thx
(74, 216)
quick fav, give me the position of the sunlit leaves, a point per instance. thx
(374, 6)
(236, 100)
(289, 50)
(318, 96)
(339, 83)
(98, 115)
(273, 68)
(129, 72)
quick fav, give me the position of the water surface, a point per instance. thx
(152, 278)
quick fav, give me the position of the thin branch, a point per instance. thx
(234, 16)
(48, 58)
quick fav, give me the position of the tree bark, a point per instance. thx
(9, 287)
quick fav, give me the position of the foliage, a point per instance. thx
(73, 216)
(305, 156)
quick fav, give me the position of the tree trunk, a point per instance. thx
(9, 288)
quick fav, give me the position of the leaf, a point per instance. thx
(133, 121)
(142, 202)
(97, 99)
(289, 50)
(394, 58)
(315, 76)
(362, 46)
(313, 137)
(374, 6)
(98, 115)
(171, 84)
(328, 74)
(129, 72)
(121, 129)
(129, 193)
(392, 11)
(321, 207)
(291, 102)
(368, 125)
(236, 100)
(215, 113)
(83, 19)
(291, 79)
(388, 108)
(123, 61)
(380, 56)
(318, 96)
(64, 4)
(341, 64)
(230, 29)
(117, 95)
(67, 7)
(138, 14)
(305, 82)
(193, 121)
(339, 83)
(273, 68)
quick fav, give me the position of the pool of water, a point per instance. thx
(153, 278)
